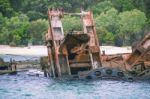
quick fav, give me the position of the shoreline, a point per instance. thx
(40, 50)
(23, 51)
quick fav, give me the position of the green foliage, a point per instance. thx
(71, 23)
(33, 15)
(6, 9)
(14, 29)
(22, 21)
(2, 21)
(36, 30)
(108, 19)
(120, 25)
(102, 7)
(107, 24)
(109, 36)
(131, 23)
(123, 5)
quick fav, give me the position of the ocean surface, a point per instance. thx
(23, 86)
(8, 57)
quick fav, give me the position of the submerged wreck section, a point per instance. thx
(7, 67)
(140, 53)
(138, 63)
(77, 51)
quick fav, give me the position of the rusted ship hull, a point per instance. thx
(78, 53)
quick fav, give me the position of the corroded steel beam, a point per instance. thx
(77, 49)
(139, 52)
(54, 36)
(90, 29)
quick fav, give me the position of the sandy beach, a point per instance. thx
(32, 50)
(42, 50)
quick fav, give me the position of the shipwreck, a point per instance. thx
(78, 53)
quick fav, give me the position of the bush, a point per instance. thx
(12, 44)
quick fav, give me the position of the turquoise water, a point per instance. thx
(22, 86)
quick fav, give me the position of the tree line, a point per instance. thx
(118, 22)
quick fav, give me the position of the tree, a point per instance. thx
(131, 23)
(101, 7)
(71, 23)
(15, 29)
(123, 5)
(115, 19)
(6, 9)
(107, 23)
(109, 37)
(36, 30)
(2, 21)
